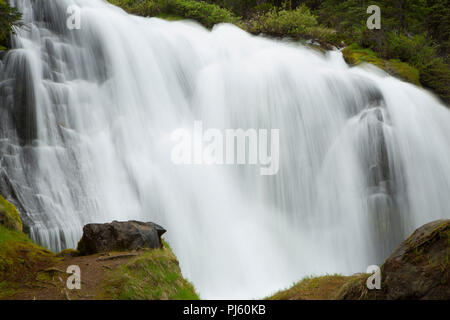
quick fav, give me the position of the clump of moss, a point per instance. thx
(355, 55)
(9, 216)
(314, 288)
(154, 275)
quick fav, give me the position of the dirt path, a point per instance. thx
(50, 283)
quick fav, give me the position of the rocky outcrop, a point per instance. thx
(418, 269)
(120, 236)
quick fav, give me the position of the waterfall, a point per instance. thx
(86, 117)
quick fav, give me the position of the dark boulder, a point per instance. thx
(120, 236)
(418, 269)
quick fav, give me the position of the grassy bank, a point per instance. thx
(316, 288)
(155, 275)
(20, 261)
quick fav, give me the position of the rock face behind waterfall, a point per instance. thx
(418, 269)
(120, 236)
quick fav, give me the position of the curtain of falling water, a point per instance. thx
(85, 123)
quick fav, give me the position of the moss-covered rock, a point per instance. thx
(418, 269)
(154, 275)
(355, 55)
(9, 216)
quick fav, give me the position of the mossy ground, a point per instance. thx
(155, 275)
(20, 261)
(314, 288)
(355, 55)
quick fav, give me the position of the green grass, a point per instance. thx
(155, 275)
(313, 288)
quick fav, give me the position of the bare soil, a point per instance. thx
(50, 283)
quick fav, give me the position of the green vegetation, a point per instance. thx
(355, 55)
(9, 216)
(315, 288)
(356, 287)
(297, 23)
(20, 260)
(155, 275)
(205, 13)
(8, 18)
(413, 42)
(24, 266)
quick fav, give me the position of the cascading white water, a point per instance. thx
(85, 123)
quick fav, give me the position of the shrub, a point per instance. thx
(414, 49)
(205, 13)
(436, 75)
(294, 23)
(8, 18)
